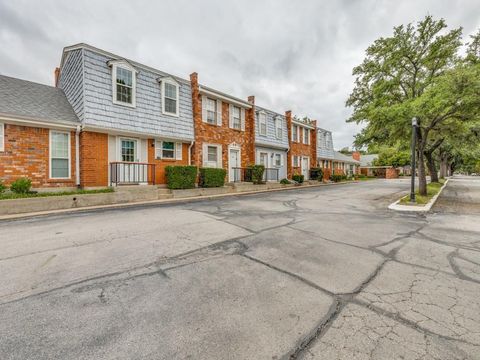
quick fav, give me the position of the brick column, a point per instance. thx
(197, 119)
(250, 130)
(288, 117)
(313, 145)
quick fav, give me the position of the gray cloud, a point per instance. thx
(292, 55)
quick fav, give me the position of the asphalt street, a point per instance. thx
(316, 273)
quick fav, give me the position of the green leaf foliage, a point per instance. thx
(212, 177)
(181, 177)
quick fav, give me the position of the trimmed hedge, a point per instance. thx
(257, 173)
(298, 178)
(2, 186)
(21, 185)
(181, 177)
(284, 181)
(212, 177)
(316, 173)
(338, 178)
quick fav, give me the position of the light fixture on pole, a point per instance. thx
(414, 142)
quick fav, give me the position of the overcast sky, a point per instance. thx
(294, 55)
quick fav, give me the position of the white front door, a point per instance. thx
(234, 162)
(305, 167)
(129, 171)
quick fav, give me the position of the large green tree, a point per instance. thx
(413, 73)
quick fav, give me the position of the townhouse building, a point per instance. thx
(110, 120)
(325, 151)
(303, 149)
(271, 143)
(224, 130)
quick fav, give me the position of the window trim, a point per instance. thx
(51, 131)
(215, 111)
(205, 162)
(177, 86)
(124, 66)
(239, 117)
(306, 136)
(260, 115)
(2, 137)
(278, 126)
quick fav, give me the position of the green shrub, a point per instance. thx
(181, 177)
(316, 173)
(212, 177)
(336, 178)
(298, 178)
(284, 181)
(257, 173)
(21, 185)
(2, 187)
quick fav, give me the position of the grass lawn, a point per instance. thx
(8, 196)
(432, 190)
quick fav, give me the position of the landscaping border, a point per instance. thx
(417, 208)
(191, 196)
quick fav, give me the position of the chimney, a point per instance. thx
(356, 155)
(56, 75)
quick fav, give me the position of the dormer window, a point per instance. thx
(262, 124)
(170, 96)
(123, 82)
(278, 128)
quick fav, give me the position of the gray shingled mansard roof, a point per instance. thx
(366, 160)
(341, 157)
(32, 101)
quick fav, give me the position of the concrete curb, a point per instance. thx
(160, 202)
(417, 208)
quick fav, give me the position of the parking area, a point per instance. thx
(316, 273)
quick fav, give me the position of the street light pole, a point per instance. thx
(414, 142)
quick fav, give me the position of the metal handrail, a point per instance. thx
(123, 173)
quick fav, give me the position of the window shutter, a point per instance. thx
(242, 119)
(219, 156)
(158, 149)
(2, 137)
(204, 108)
(281, 160)
(178, 151)
(204, 154)
(230, 116)
(293, 139)
(219, 112)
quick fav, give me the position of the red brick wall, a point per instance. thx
(93, 159)
(391, 173)
(27, 155)
(224, 135)
(160, 164)
(299, 148)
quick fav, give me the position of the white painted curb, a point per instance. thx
(417, 208)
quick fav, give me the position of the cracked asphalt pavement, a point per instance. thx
(315, 273)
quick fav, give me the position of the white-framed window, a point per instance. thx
(277, 160)
(170, 97)
(212, 155)
(262, 123)
(296, 161)
(59, 159)
(128, 150)
(278, 128)
(123, 85)
(306, 136)
(236, 117)
(328, 141)
(168, 150)
(295, 133)
(211, 111)
(263, 159)
(2, 137)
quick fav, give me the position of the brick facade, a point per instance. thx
(299, 148)
(93, 159)
(160, 164)
(27, 155)
(222, 135)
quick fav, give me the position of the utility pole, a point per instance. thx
(414, 142)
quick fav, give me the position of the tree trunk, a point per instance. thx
(443, 166)
(422, 177)
(431, 166)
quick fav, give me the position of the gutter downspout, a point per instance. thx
(190, 153)
(77, 155)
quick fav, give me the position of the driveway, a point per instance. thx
(318, 273)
